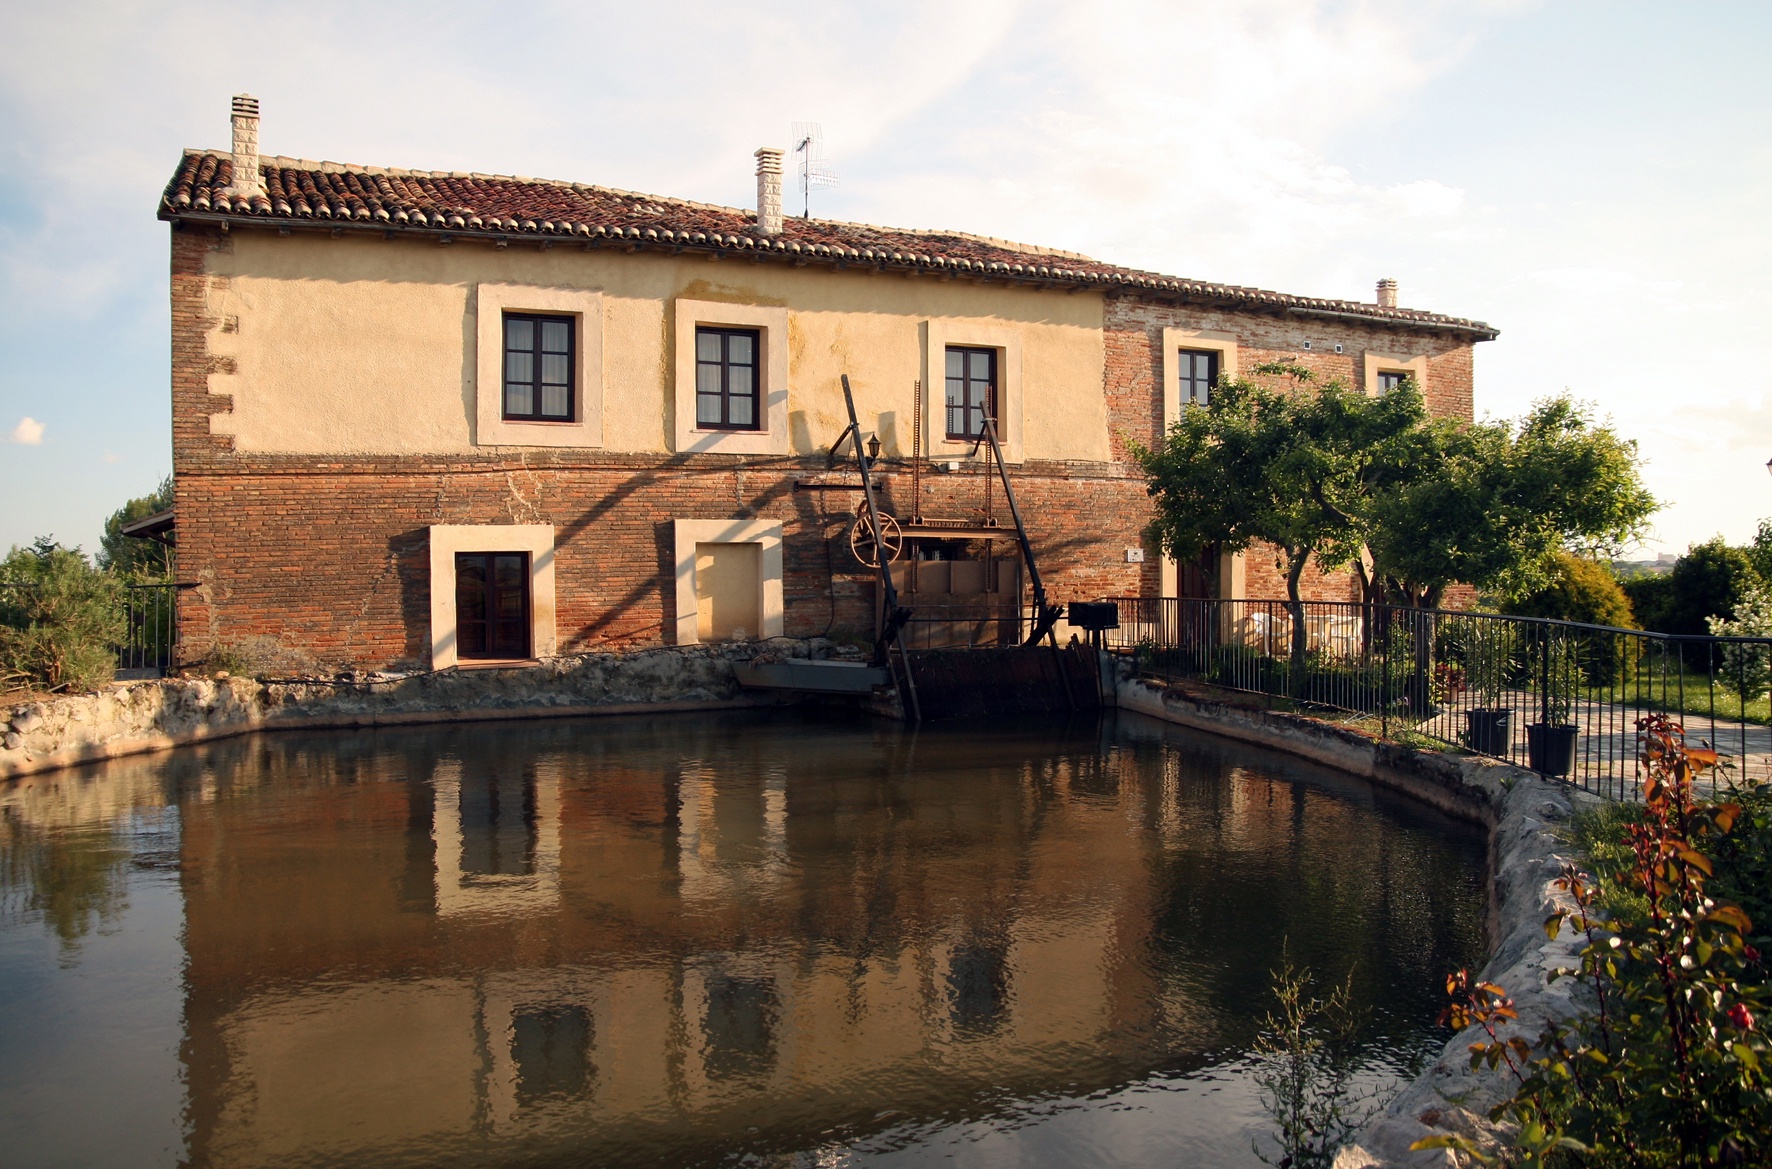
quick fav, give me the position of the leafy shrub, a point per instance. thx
(1651, 600)
(1669, 1066)
(1579, 590)
(1746, 669)
(1708, 581)
(1306, 1058)
(60, 618)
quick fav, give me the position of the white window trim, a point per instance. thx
(1174, 341)
(937, 336)
(771, 323)
(448, 539)
(491, 302)
(1377, 363)
(686, 534)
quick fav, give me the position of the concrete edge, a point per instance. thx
(1519, 810)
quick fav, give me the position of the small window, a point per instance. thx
(726, 377)
(972, 391)
(551, 1048)
(492, 605)
(1390, 379)
(1199, 375)
(538, 368)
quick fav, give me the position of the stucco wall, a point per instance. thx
(363, 346)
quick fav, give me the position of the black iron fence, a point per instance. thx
(1559, 697)
(151, 632)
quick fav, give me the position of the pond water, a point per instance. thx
(751, 939)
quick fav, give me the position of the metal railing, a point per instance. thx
(150, 612)
(1559, 697)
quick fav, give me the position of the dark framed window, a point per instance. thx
(1390, 379)
(539, 368)
(492, 604)
(1199, 374)
(972, 390)
(726, 381)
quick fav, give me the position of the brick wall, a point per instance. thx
(334, 561)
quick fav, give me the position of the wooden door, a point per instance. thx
(492, 604)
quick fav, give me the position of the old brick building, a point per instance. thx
(421, 417)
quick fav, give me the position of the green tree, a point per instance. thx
(1651, 599)
(1290, 465)
(1578, 590)
(1710, 580)
(131, 557)
(60, 618)
(1490, 504)
(1760, 551)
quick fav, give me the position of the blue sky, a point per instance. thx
(1595, 179)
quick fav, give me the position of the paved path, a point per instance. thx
(1606, 751)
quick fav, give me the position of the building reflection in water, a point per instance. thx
(661, 941)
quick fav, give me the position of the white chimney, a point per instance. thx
(1387, 293)
(769, 190)
(247, 181)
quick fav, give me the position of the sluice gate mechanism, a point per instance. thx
(947, 660)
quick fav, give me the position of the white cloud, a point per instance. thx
(29, 432)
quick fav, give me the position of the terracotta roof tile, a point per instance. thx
(299, 192)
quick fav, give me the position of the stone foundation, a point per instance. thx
(129, 718)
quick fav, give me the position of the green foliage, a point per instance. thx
(1306, 1057)
(1563, 671)
(1577, 589)
(61, 621)
(1490, 504)
(1291, 467)
(1760, 551)
(1651, 600)
(1668, 1066)
(1745, 669)
(132, 558)
(1708, 581)
(1490, 652)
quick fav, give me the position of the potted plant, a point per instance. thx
(1489, 659)
(1550, 743)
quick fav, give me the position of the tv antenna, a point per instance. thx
(815, 169)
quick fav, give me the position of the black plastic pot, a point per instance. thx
(1550, 750)
(1488, 731)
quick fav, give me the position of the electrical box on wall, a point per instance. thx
(1135, 556)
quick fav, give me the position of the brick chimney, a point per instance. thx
(769, 190)
(1387, 293)
(247, 181)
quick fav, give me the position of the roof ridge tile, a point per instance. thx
(455, 201)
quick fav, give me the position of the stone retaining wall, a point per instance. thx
(1526, 857)
(128, 718)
